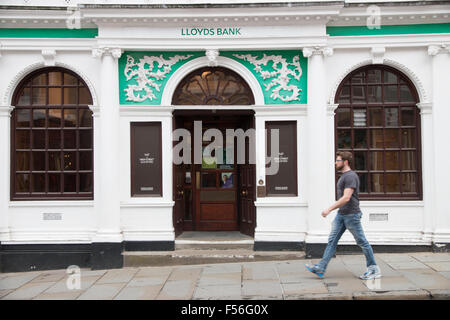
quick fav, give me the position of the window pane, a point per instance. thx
(54, 182)
(25, 97)
(226, 180)
(22, 161)
(54, 78)
(409, 182)
(376, 138)
(54, 118)
(405, 94)
(344, 139)
(408, 117)
(208, 180)
(86, 183)
(375, 116)
(359, 118)
(70, 139)
(40, 80)
(22, 183)
(70, 160)
(392, 160)
(38, 160)
(362, 182)
(23, 118)
(376, 183)
(54, 161)
(70, 95)
(343, 117)
(374, 76)
(359, 77)
(360, 161)
(389, 77)
(85, 118)
(70, 182)
(408, 138)
(38, 182)
(360, 138)
(376, 160)
(344, 96)
(85, 139)
(390, 94)
(391, 117)
(85, 160)
(39, 118)
(358, 94)
(391, 138)
(22, 139)
(392, 182)
(85, 96)
(54, 139)
(54, 96)
(39, 96)
(70, 117)
(409, 160)
(374, 93)
(69, 79)
(38, 139)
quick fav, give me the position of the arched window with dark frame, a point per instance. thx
(52, 137)
(379, 122)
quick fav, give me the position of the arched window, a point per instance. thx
(378, 121)
(213, 86)
(52, 137)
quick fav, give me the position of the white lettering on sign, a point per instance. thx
(199, 32)
(146, 188)
(146, 159)
(281, 159)
(52, 216)
(281, 188)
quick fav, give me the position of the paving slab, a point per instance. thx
(394, 257)
(72, 295)
(215, 292)
(118, 276)
(220, 279)
(177, 290)
(105, 291)
(28, 291)
(321, 296)
(445, 274)
(439, 266)
(441, 294)
(185, 274)
(390, 284)
(301, 288)
(259, 272)
(149, 281)
(291, 267)
(392, 295)
(297, 277)
(139, 293)
(14, 281)
(153, 272)
(5, 292)
(222, 268)
(91, 273)
(352, 259)
(408, 265)
(386, 270)
(431, 257)
(426, 279)
(50, 277)
(265, 288)
(61, 286)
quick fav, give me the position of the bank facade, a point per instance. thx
(95, 98)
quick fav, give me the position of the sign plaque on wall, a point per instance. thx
(146, 159)
(284, 182)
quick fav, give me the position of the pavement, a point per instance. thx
(408, 276)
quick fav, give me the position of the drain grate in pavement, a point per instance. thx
(331, 284)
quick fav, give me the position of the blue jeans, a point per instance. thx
(352, 222)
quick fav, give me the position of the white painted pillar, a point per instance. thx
(5, 120)
(320, 185)
(441, 115)
(107, 167)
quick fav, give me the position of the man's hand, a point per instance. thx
(325, 213)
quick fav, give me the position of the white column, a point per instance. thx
(5, 120)
(426, 125)
(441, 116)
(108, 222)
(320, 186)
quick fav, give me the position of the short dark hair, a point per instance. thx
(345, 155)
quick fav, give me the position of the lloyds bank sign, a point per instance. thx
(201, 32)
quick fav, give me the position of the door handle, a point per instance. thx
(180, 193)
(244, 192)
(197, 179)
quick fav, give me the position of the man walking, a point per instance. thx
(348, 217)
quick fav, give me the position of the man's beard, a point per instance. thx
(339, 169)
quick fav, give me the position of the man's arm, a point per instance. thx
(342, 201)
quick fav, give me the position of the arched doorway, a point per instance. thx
(214, 194)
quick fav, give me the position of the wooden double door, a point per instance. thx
(214, 196)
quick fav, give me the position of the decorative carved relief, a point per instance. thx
(147, 77)
(212, 55)
(281, 74)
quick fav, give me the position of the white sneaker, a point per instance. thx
(373, 272)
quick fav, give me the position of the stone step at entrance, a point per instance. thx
(198, 256)
(217, 240)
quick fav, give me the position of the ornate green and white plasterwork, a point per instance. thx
(282, 74)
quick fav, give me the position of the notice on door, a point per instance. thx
(146, 159)
(284, 182)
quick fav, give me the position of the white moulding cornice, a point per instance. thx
(15, 44)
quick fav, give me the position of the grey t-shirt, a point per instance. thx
(349, 179)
